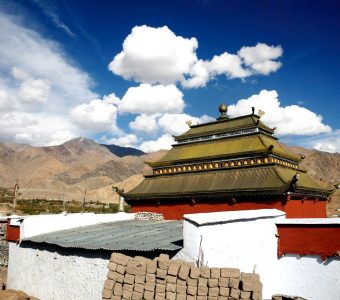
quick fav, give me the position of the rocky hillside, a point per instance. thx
(81, 164)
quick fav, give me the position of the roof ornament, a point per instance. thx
(261, 113)
(223, 110)
(189, 123)
(253, 110)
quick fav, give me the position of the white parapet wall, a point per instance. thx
(40, 224)
(248, 240)
(51, 275)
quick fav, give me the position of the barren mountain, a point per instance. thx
(67, 170)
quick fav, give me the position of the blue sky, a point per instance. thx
(133, 72)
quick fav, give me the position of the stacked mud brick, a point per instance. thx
(141, 278)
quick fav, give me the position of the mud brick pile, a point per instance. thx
(141, 278)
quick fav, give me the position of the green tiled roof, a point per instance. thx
(227, 125)
(226, 147)
(270, 179)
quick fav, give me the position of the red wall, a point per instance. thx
(13, 232)
(323, 240)
(306, 209)
(176, 209)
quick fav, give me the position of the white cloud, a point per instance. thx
(148, 99)
(128, 140)
(163, 142)
(154, 55)
(176, 124)
(329, 142)
(38, 85)
(157, 55)
(261, 58)
(292, 119)
(145, 123)
(96, 116)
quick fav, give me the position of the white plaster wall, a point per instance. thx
(251, 245)
(35, 225)
(52, 276)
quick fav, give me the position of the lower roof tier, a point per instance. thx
(267, 179)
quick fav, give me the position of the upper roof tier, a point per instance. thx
(232, 126)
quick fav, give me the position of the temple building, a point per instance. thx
(228, 164)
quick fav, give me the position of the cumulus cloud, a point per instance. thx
(154, 55)
(97, 115)
(163, 142)
(158, 55)
(148, 99)
(128, 140)
(292, 119)
(145, 123)
(329, 142)
(38, 85)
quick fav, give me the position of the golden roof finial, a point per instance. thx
(223, 110)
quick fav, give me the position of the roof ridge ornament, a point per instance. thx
(223, 110)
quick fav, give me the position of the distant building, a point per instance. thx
(229, 164)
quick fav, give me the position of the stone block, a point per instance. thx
(181, 282)
(202, 282)
(192, 290)
(223, 282)
(161, 281)
(128, 278)
(151, 267)
(171, 279)
(212, 298)
(215, 273)
(230, 272)
(160, 288)
(191, 297)
(142, 259)
(170, 295)
(138, 287)
(163, 262)
(224, 291)
(256, 296)
(140, 278)
(213, 291)
(245, 295)
(173, 268)
(234, 293)
(112, 266)
(150, 277)
(192, 281)
(202, 291)
(136, 268)
(181, 289)
(109, 283)
(127, 294)
(137, 295)
(120, 258)
(164, 256)
(118, 289)
(234, 283)
(116, 297)
(120, 269)
(149, 295)
(202, 298)
(161, 273)
(205, 272)
(183, 272)
(181, 296)
(106, 294)
(159, 296)
(149, 286)
(115, 276)
(195, 272)
(128, 287)
(171, 287)
(213, 282)
(250, 282)
(223, 298)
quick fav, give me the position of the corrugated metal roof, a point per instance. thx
(123, 235)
